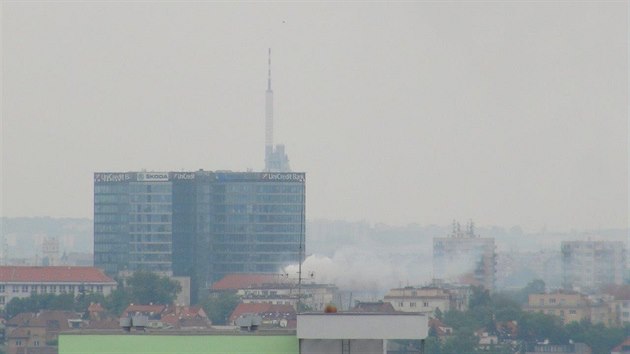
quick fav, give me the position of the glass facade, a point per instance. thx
(111, 226)
(150, 226)
(198, 224)
(256, 225)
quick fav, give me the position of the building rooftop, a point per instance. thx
(27, 274)
(264, 309)
(232, 331)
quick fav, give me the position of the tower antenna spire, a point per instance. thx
(269, 72)
(269, 120)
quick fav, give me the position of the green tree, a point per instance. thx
(302, 307)
(218, 308)
(459, 319)
(432, 345)
(117, 301)
(462, 341)
(438, 313)
(146, 287)
(479, 297)
(39, 302)
(506, 308)
(83, 301)
(601, 339)
(536, 327)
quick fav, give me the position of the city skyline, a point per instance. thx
(507, 114)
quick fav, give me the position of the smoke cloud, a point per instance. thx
(365, 270)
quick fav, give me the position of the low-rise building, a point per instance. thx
(38, 332)
(170, 316)
(575, 348)
(276, 290)
(331, 333)
(623, 348)
(272, 316)
(428, 299)
(22, 281)
(569, 306)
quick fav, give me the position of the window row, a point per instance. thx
(51, 289)
(147, 187)
(151, 208)
(110, 188)
(110, 199)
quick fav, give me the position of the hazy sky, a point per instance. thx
(509, 113)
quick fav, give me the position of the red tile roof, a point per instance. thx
(52, 319)
(19, 319)
(170, 319)
(95, 307)
(440, 328)
(244, 281)
(261, 309)
(192, 312)
(19, 274)
(619, 348)
(155, 309)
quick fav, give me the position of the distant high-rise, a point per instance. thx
(200, 224)
(465, 257)
(589, 265)
(276, 160)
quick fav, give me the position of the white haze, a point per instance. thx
(506, 112)
(373, 270)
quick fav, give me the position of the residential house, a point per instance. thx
(486, 339)
(276, 289)
(623, 348)
(428, 299)
(186, 317)
(439, 329)
(170, 316)
(574, 348)
(569, 306)
(279, 316)
(38, 332)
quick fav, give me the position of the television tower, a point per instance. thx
(276, 160)
(268, 119)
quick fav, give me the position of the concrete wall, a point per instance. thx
(362, 326)
(336, 346)
(183, 298)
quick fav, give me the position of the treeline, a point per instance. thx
(140, 288)
(486, 311)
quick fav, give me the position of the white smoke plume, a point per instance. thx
(366, 270)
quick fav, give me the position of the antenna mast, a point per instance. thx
(268, 117)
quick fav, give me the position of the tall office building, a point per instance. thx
(276, 160)
(200, 224)
(465, 257)
(589, 265)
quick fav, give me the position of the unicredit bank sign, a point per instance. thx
(294, 177)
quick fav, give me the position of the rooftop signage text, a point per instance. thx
(112, 177)
(152, 176)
